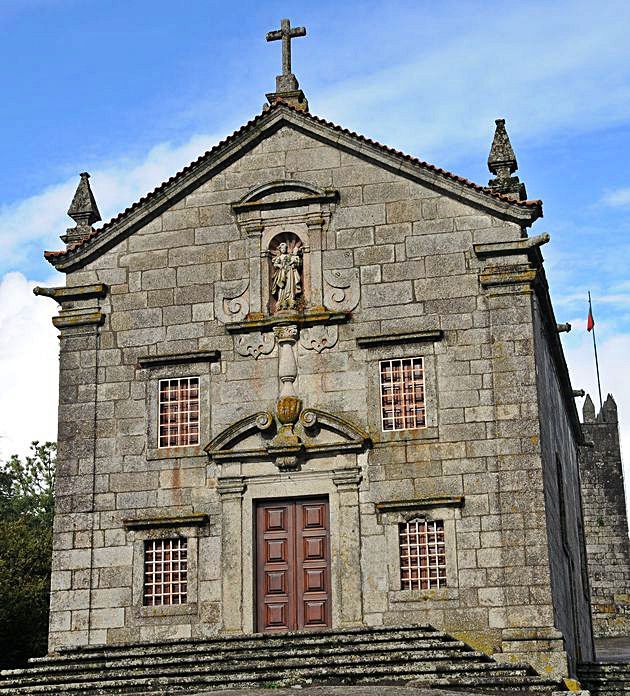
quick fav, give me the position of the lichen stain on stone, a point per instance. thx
(479, 640)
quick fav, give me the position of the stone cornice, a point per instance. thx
(408, 337)
(420, 503)
(301, 319)
(193, 520)
(73, 319)
(179, 358)
(73, 294)
(518, 246)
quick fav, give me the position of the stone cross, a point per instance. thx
(285, 34)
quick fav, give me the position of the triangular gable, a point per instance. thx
(269, 121)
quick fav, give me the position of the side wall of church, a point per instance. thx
(567, 552)
(606, 523)
(477, 466)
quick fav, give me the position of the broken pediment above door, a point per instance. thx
(287, 438)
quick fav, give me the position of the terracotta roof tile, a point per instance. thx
(278, 104)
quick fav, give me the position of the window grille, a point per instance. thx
(422, 555)
(402, 394)
(165, 572)
(179, 412)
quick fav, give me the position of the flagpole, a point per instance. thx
(599, 386)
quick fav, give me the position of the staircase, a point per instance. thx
(397, 655)
(606, 678)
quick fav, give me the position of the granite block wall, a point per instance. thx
(480, 464)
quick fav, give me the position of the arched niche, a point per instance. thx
(288, 273)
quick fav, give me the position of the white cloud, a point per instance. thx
(31, 224)
(28, 366)
(440, 97)
(617, 198)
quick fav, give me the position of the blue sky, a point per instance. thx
(131, 91)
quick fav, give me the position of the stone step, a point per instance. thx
(415, 661)
(411, 651)
(254, 641)
(234, 651)
(356, 656)
(606, 679)
(158, 684)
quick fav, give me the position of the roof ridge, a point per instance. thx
(277, 105)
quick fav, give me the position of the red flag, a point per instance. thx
(590, 322)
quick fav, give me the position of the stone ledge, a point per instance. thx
(410, 337)
(70, 320)
(519, 246)
(194, 520)
(179, 358)
(421, 503)
(64, 294)
(301, 319)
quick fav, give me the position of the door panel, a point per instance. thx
(292, 565)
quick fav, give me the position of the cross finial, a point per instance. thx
(287, 82)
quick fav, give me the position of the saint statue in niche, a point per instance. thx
(286, 283)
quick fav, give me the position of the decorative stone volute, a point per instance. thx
(83, 210)
(502, 162)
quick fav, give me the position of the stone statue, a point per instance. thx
(287, 284)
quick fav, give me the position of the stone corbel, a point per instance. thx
(80, 306)
(341, 289)
(231, 301)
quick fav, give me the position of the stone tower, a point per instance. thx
(605, 521)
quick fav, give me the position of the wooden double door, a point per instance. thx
(292, 565)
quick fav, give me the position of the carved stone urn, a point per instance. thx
(288, 409)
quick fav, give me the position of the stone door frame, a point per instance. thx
(239, 495)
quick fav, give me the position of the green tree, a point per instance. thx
(26, 517)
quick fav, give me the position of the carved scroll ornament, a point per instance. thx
(341, 289)
(231, 301)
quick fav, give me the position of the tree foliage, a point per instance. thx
(26, 517)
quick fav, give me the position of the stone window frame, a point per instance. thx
(200, 369)
(391, 520)
(416, 401)
(431, 560)
(190, 530)
(158, 548)
(181, 405)
(374, 355)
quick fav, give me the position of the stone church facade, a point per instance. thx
(313, 382)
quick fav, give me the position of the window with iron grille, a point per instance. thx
(165, 572)
(179, 412)
(402, 394)
(422, 555)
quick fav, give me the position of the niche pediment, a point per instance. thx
(284, 193)
(259, 436)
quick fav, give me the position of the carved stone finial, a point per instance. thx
(502, 162)
(287, 86)
(588, 410)
(83, 210)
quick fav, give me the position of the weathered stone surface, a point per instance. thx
(386, 256)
